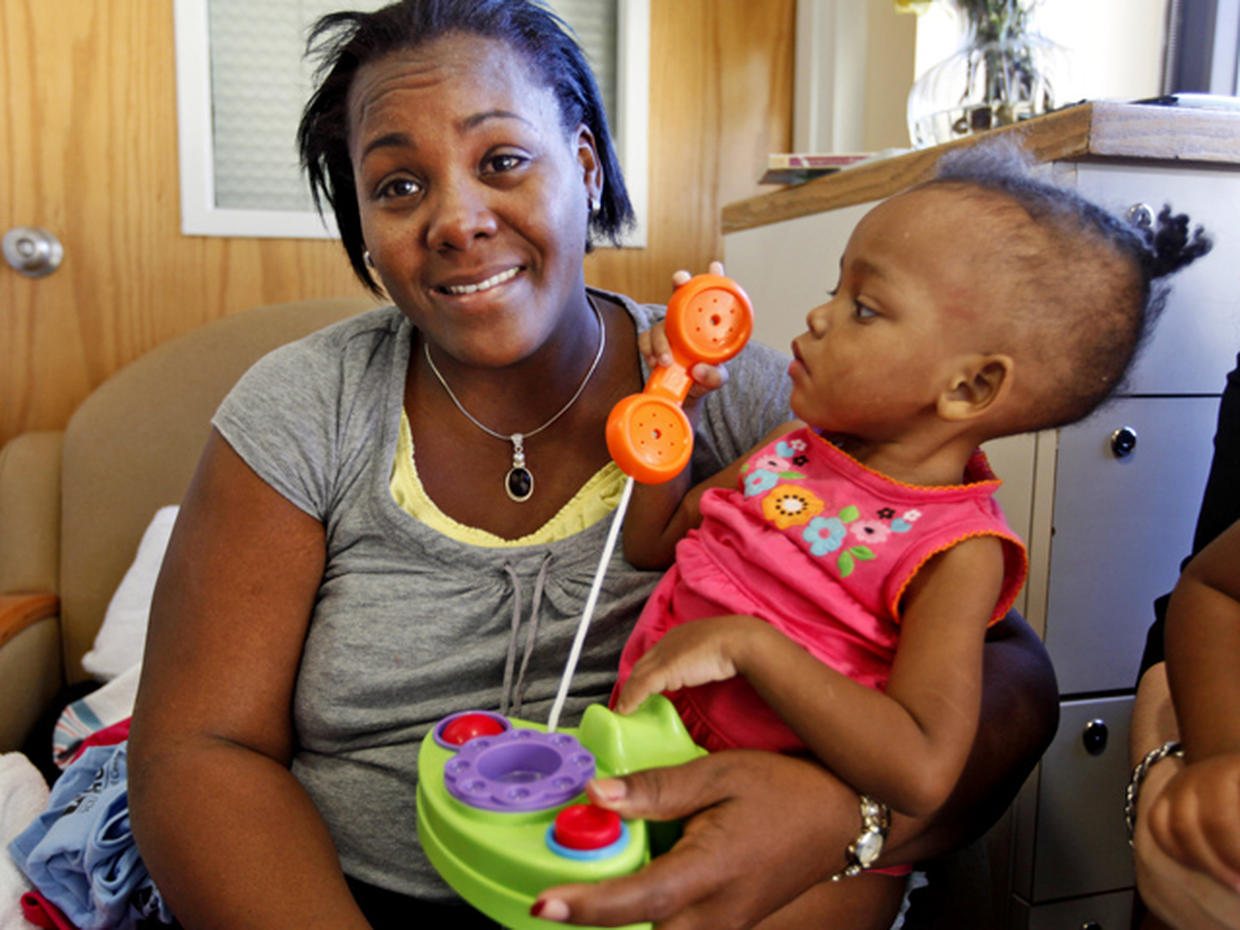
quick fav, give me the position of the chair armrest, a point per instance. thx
(31, 668)
(30, 512)
(18, 611)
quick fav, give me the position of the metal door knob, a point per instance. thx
(1123, 441)
(31, 251)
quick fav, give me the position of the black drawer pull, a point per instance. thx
(1095, 737)
(1123, 441)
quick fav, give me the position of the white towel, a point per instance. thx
(23, 797)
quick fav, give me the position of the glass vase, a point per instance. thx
(986, 83)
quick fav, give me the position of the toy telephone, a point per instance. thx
(498, 799)
(709, 319)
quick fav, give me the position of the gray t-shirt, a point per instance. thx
(411, 625)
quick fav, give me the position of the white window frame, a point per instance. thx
(200, 216)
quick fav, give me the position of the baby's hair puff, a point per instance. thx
(1088, 285)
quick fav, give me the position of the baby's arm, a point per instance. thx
(907, 746)
(661, 514)
(1196, 819)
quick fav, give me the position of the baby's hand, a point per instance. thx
(656, 351)
(694, 653)
(1196, 818)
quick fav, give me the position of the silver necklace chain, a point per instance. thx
(519, 481)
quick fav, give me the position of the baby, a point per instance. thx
(831, 591)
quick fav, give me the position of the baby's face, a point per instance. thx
(911, 298)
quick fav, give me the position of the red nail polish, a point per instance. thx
(537, 908)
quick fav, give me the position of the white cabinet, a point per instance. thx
(1107, 529)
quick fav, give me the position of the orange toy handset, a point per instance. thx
(709, 319)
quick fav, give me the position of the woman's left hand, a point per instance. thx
(744, 807)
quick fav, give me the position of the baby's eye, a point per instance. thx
(399, 187)
(862, 312)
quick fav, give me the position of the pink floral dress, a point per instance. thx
(822, 548)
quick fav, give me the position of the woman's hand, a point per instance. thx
(1196, 818)
(691, 654)
(748, 808)
(1184, 898)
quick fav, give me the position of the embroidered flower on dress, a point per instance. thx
(759, 480)
(870, 531)
(886, 513)
(773, 463)
(788, 448)
(905, 523)
(800, 460)
(824, 534)
(790, 505)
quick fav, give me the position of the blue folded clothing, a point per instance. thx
(80, 853)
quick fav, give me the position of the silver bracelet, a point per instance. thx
(864, 851)
(1133, 791)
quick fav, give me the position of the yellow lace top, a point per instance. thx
(597, 498)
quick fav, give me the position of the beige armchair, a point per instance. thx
(74, 502)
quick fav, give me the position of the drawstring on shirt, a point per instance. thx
(513, 695)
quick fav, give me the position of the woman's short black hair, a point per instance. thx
(343, 42)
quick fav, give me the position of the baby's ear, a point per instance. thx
(976, 385)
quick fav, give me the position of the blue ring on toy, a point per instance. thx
(606, 852)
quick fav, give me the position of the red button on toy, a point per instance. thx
(468, 726)
(584, 826)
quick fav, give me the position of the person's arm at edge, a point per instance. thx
(707, 880)
(227, 833)
(1203, 648)
(1175, 896)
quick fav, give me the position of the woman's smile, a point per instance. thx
(457, 287)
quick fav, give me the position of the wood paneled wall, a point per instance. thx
(88, 135)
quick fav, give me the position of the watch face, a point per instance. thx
(868, 847)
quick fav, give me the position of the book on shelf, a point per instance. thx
(793, 168)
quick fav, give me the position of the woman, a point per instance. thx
(1175, 893)
(399, 517)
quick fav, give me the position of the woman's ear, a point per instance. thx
(977, 385)
(591, 168)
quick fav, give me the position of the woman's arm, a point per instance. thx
(1203, 649)
(228, 835)
(796, 818)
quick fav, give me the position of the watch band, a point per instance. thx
(864, 851)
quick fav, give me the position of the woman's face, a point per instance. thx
(474, 199)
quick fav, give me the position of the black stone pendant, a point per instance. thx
(519, 484)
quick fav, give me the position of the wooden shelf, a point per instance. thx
(1099, 130)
